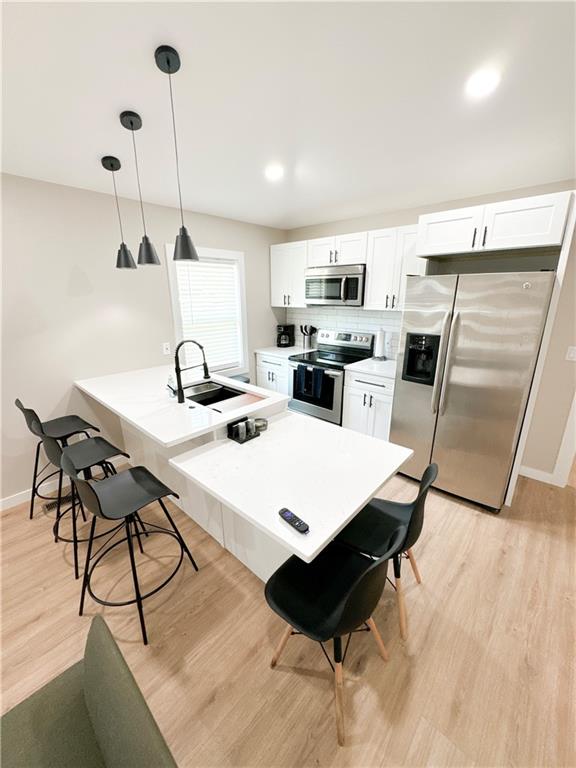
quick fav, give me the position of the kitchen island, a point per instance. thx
(325, 474)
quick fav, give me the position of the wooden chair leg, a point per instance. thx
(281, 646)
(401, 608)
(414, 566)
(339, 690)
(339, 699)
(378, 638)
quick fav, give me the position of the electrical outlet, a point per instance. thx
(571, 354)
(166, 348)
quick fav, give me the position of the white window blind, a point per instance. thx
(209, 308)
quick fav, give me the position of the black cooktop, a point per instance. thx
(327, 359)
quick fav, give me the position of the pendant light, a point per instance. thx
(168, 61)
(146, 252)
(124, 258)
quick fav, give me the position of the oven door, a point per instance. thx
(316, 391)
(335, 285)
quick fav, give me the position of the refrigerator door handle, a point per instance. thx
(447, 365)
(438, 379)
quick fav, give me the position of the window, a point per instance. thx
(208, 304)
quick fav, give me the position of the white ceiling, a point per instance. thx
(363, 103)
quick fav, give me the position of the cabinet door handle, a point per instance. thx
(393, 300)
(371, 396)
(484, 236)
(474, 237)
(364, 401)
(386, 301)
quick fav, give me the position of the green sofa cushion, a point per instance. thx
(125, 729)
(51, 728)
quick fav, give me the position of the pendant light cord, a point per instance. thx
(138, 180)
(117, 206)
(176, 147)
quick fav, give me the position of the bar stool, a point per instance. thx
(85, 455)
(61, 428)
(120, 497)
(370, 531)
(332, 596)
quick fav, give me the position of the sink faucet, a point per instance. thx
(180, 390)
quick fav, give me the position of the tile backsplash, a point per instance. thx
(347, 319)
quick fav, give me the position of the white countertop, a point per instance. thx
(374, 367)
(321, 472)
(142, 399)
(283, 352)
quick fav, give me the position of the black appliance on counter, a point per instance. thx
(284, 335)
(317, 378)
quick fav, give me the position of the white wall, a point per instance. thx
(68, 314)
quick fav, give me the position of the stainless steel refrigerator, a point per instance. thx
(467, 353)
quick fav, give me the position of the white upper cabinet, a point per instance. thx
(351, 249)
(410, 264)
(321, 251)
(529, 222)
(381, 269)
(526, 223)
(341, 249)
(287, 268)
(449, 231)
(391, 257)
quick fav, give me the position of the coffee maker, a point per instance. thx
(284, 335)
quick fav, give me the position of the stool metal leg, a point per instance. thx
(74, 531)
(34, 479)
(135, 578)
(58, 505)
(177, 532)
(87, 566)
(339, 690)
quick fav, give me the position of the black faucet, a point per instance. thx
(180, 390)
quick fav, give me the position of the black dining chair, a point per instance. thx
(329, 598)
(120, 497)
(62, 428)
(370, 531)
(85, 455)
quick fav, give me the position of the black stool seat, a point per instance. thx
(92, 451)
(372, 528)
(311, 597)
(66, 426)
(123, 494)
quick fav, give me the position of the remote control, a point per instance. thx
(294, 521)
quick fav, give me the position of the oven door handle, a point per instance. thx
(440, 362)
(343, 288)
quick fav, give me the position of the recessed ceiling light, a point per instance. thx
(274, 172)
(482, 83)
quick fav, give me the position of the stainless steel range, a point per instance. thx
(317, 378)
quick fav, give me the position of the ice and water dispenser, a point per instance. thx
(420, 358)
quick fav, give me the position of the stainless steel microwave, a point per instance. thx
(338, 285)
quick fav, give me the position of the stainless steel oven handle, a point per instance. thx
(447, 366)
(440, 363)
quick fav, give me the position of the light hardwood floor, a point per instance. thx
(486, 677)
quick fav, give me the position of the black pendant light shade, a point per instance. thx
(146, 253)
(168, 61)
(124, 258)
(184, 249)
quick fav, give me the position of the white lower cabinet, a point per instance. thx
(368, 405)
(272, 373)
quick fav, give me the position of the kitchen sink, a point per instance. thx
(209, 393)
